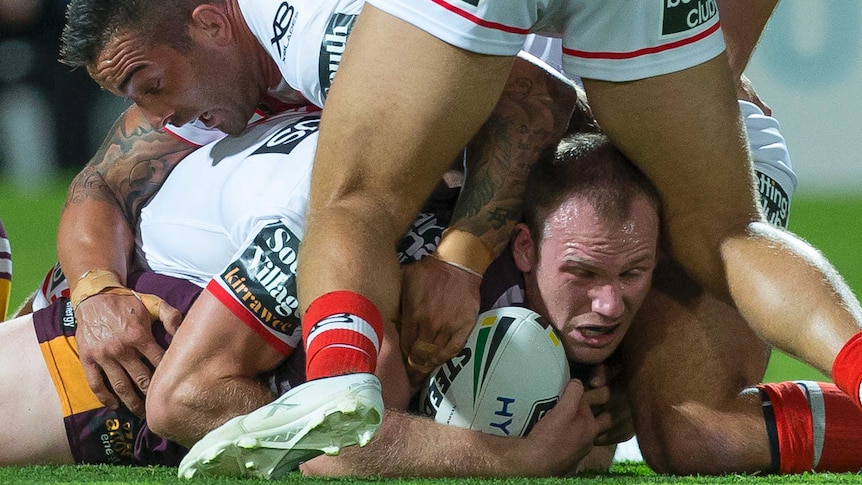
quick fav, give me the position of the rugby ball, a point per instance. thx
(511, 372)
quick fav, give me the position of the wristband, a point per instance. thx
(465, 251)
(94, 282)
(100, 282)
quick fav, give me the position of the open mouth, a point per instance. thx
(596, 330)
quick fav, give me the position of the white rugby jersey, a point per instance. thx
(306, 39)
(776, 181)
(236, 209)
(611, 40)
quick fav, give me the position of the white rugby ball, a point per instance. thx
(511, 372)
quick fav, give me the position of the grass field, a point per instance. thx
(627, 474)
(30, 218)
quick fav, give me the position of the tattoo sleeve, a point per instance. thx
(130, 166)
(531, 116)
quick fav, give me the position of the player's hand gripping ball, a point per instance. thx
(511, 372)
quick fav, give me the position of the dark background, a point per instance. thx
(51, 117)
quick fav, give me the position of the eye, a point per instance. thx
(632, 274)
(583, 274)
(154, 89)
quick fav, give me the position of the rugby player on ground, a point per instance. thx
(715, 197)
(168, 242)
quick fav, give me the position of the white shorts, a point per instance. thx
(611, 40)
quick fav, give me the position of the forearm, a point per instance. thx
(531, 115)
(201, 382)
(93, 234)
(412, 446)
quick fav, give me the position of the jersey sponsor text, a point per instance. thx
(684, 15)
(282, 28)
(773, 200)
(332, 47)
(286, 139)
(263, 279)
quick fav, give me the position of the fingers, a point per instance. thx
(599, 396)
(119, 385)
(427, 348)
(423, 354)
(614, 435)
(133, 383)
(97, 385)
(408, 332)
(573, 392)
(433, 346)
(456, 341)
(141, 369)
(613, 429)
(125, 390)
(570, 400)
(419, 368)
(117, 347)
(160, 310)
(566, 412)
(746, 92)
(170, 317)
(152, 303)
(126, 378)
(439, 304)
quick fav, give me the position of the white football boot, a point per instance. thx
(320, 416)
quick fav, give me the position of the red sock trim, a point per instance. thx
(336, 361)
(819, 427)
(341, 350)
(794, 425)
(344, 338)
(342, 302)
(847, 368)
(842, 441)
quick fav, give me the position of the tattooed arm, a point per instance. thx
(531, 116)
(440, 300)
(96, 233)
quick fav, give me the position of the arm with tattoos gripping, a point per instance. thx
(95, 244)
(440, 295)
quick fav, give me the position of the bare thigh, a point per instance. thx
(31, 423)
(683, 130)
(688, 358)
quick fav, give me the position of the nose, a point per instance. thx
(607, 300)
(157, 117)
(158, 122)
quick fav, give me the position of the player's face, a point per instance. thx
(169, 86)
(589, 277)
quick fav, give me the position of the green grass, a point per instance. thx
(627, 473)
(30, 217)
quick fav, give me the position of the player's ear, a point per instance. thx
(211, 21)
(523, 248)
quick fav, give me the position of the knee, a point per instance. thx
(667, 445)
(694, 439)
(707, 248)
